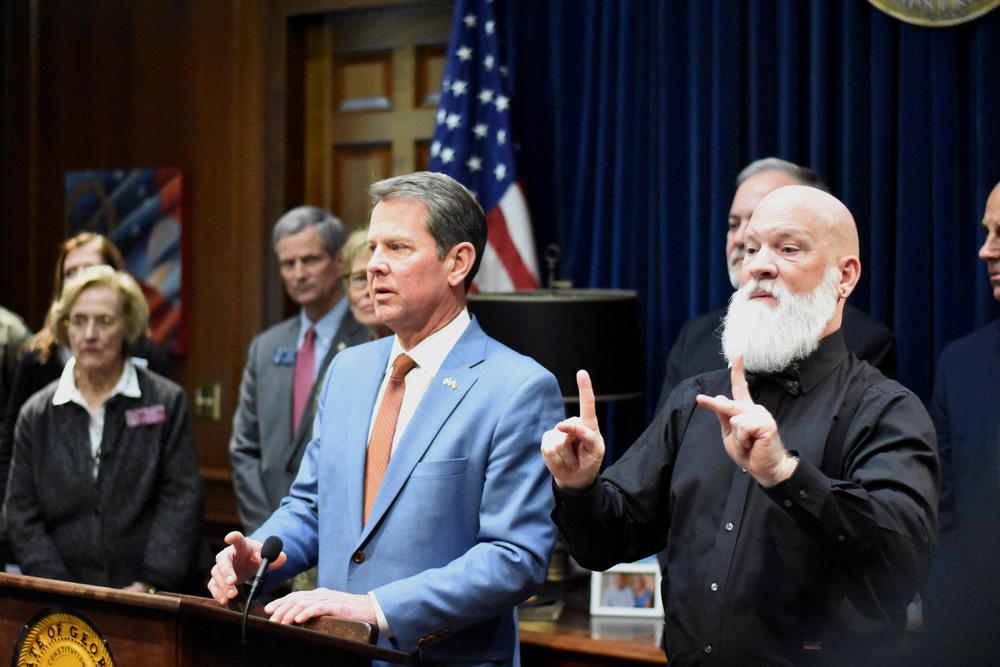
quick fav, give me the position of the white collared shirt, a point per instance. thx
(428, 354)
(67, 392)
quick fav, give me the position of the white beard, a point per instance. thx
(735, 259)
(769, 337)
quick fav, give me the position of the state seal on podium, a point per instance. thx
(59, 637)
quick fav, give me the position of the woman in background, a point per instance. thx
(42, 358)
(105, 487)
(356, 256)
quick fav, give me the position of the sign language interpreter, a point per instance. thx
(792, 497)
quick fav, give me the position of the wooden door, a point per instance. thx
(371, 82)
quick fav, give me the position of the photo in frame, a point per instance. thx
(143, 211)
(628, 589)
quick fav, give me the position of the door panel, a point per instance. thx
(371, 81)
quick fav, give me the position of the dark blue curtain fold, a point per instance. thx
(634, 116)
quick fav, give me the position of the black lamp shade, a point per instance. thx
(566, 330)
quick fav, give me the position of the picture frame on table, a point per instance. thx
(628, 589)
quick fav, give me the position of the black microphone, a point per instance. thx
(268, 552)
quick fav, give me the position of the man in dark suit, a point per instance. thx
(698, 346)
(421, 497)
(273, 421)
(962, 599)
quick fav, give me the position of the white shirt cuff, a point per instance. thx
(383, 624)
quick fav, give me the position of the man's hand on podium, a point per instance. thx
(239, 561)
(300, 606)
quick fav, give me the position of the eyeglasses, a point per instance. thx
(101, 322)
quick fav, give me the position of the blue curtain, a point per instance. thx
(634, 116)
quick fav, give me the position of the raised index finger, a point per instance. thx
(588, 413)
(741, 391)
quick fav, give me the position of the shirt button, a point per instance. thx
(358, 557)
(786, 502)
(708, 649)
(803, 493)
(714, 586)
(729, 526)
(841, 538)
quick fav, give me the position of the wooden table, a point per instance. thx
(578, 639)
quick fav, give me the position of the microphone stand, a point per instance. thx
(268, 553)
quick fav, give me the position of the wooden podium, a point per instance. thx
(169, 629)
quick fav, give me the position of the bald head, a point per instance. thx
(798, 236)
(815, 209)
(755, 181)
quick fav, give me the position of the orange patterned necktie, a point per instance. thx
(380, 444)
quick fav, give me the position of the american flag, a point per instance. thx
(472, 144)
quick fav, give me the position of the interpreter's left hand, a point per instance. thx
(300, 606)
(749, 432)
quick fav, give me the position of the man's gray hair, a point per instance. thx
(453, 214)
(328, 226)
(804, 175)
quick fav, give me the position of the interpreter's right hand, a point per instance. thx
(574, 449)
(235, 564)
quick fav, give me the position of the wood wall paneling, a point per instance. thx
(355, 167)
(158, 83)
(422, 154)
(362, 81)
(430, 63)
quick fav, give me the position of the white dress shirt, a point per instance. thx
(68, 392)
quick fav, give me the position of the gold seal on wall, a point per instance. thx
(935, 13)
(61, 638)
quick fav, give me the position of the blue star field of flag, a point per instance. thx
(471, 136)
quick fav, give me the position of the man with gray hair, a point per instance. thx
(421, 497)
(273, 421)
(698, 347)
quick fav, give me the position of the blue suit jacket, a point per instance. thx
(962, 598)
(460, 531)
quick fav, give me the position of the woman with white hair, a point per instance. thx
(104, 485)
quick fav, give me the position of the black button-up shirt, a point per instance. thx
(812, 567)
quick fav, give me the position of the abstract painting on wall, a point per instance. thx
(143, 212)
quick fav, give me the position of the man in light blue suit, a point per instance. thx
(459, 531)
(962, 597)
